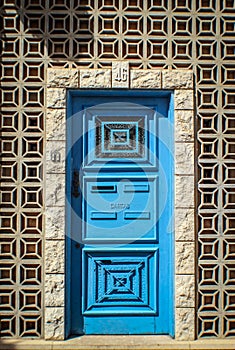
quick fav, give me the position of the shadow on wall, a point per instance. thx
(59, 35)
(35, 35)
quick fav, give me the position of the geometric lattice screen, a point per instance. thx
(38, 34)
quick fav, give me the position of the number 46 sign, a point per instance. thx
(120, 74)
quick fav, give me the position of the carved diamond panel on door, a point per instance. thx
(120, 137)
(118, 134)
(119, 282)
(121, 268)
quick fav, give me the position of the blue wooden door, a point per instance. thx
(120, 195)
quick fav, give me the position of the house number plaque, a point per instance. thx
(120, 74)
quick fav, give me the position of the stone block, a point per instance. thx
(55, 190)
(184, 257)
(184, 158)
(62, 77)
(54, 323)
(55, 222)
(95, 78)
(54, 290)
(56, 98)
(184, 224)
(177, 79)
(184, 324)
(145, 79)
(55, 157)
(56, 124)
(54, 256)
(183, 99)
(184, 291)
(184, 191)
(184, 125)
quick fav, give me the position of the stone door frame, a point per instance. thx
(181, 82)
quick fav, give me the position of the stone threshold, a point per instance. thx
(125, 342)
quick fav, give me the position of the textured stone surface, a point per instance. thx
(55, 222)
(118, 342)
(56, 97)
(177, 79)
(54, 323)
(56, 124)
(95, 78)
(184, 291)
(184, 323)
(184, 224)
(55, 190)
(184, 191)
(120, 74)
(54, 290)
(184, 122)
(184, 257)
(54, 256)
(183, 99)
(145, 79)
(184, 158)
(55, 157)
(62, 77)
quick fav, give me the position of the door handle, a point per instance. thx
(75, 184)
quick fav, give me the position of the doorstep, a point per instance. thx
(125, 342)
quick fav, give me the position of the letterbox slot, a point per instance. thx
(104, 188)
(98, 215)
(137, 215)
(136, 188)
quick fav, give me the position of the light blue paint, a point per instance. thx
(126, 198)
(120, 276)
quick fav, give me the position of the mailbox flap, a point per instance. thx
(120, 209)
